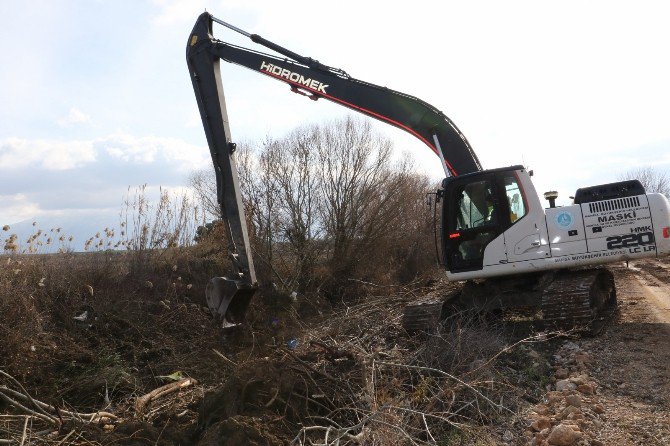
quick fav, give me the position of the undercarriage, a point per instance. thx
(567, 300)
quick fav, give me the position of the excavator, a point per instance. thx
(495, 232)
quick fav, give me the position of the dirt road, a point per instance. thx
(631, 360)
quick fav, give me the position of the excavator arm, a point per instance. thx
(227, 297)
(230, 296)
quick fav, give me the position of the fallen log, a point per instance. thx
(144, 400)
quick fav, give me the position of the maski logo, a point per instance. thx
(616, 217)
(293, 77)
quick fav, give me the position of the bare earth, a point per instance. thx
(631, 359)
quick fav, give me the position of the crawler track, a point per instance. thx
(422, 316)
(580, 300)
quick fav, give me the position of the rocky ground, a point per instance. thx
(614, 389)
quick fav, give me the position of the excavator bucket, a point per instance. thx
(228, 299)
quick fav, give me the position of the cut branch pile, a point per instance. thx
(355, 378)
(40, 420)
(19, 398)
(358, 378)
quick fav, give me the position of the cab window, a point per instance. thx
(475, 206)
(515, 199)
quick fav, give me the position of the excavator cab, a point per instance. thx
(478, 208)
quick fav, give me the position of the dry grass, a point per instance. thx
(354, 377)
(144, 225)
(87, 332)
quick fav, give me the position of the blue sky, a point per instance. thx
(95, 95)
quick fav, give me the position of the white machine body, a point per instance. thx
(589, 233)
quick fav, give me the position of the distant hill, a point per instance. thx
(80, 225)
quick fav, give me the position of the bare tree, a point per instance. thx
(298, 183)
(652, 179)
(261, 196)
(355, 167)
(201, 181)
(327, 202)
(410, 237)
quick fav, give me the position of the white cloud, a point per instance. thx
(177, 12)
(40, 177)
(75, 116)
(16, 207)
(181, 155)
(17, 153)
(576, 105)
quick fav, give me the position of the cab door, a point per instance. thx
(526, 232)
(472, 219)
